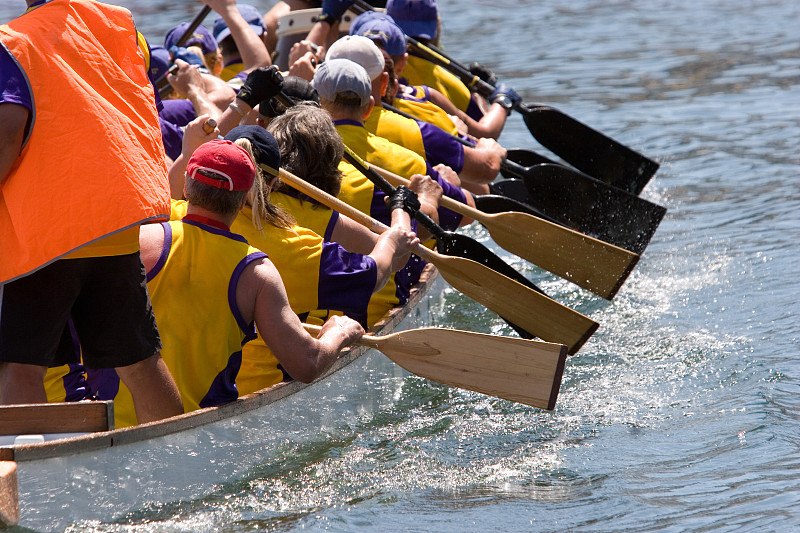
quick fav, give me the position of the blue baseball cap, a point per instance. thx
(251, 16)
(159, 63)
(200, 37)
(367, 16)
(391, 37)
(417, 18)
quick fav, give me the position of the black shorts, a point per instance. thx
(104, 298)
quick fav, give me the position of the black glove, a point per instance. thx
(505, 96)
(332, 10)
(261, 84)
(483, 73)
(405, 199)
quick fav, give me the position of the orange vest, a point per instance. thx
(94, 163)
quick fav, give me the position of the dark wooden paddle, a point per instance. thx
(578, 201)
(587, 205)
(589, 263)
(578, 144)
(520, 370)
(519, 304)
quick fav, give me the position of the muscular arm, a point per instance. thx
(13, 119)
(490, 125)
(261, 297)
(251, 48)
(482, 163)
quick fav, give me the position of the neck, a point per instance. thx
(210, 215)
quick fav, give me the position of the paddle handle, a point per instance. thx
(331, 201)
(449, 203)
(365, 340)
(209, 125)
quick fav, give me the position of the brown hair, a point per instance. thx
(310, 146)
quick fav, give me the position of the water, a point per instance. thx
(681, 413)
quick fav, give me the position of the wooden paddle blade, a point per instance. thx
(581, 201)
(9, 494)
(519, 370)
(587, 149)
(589, 263)
(542, 316)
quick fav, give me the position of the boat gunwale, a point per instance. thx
(117, 437)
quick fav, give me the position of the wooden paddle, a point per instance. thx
(520, 370)
(581, 146)
(616, 216)
(523, 306)
(163, 86)
(589, 263)
(9, 493)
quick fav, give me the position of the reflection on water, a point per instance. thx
(681, 413)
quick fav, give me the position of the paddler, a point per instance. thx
(64, 253)
(211, 289)
(477, 165)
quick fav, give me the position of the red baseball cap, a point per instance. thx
(225, 159)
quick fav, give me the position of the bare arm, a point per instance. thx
(251, 48)
(490, 125)
(261, 296)
(482, 163)
(151, 242)
(188, 81)
(193, 136)
(13, 119)
(353, 236)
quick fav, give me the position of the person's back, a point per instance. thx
(76, 259)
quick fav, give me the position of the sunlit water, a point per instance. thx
(682, 412)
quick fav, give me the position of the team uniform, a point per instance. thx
(434, 144)
(395, 158)
(416, 102)
(193, 289)
(420, 71)
(320, 277)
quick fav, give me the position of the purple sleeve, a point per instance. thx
(13, 83)
(449, 220)
(171, 137)
(441, 147)
(473, 109)
(180, 111)
(346, 281)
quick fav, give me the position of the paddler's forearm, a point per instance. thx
(13, 119)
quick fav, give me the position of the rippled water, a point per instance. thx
(681, 413)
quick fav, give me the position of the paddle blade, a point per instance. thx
(525, 158)
(9, 494)
(581, 202)
(589, 150)
(519, 370)
(531, 310)
(589, 263)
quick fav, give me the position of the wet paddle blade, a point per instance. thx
(587, 149)
(589, 263)
(536, 313)
(586, 205)
(526, 158)
(519, 370)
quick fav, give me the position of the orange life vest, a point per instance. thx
(93, 163)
